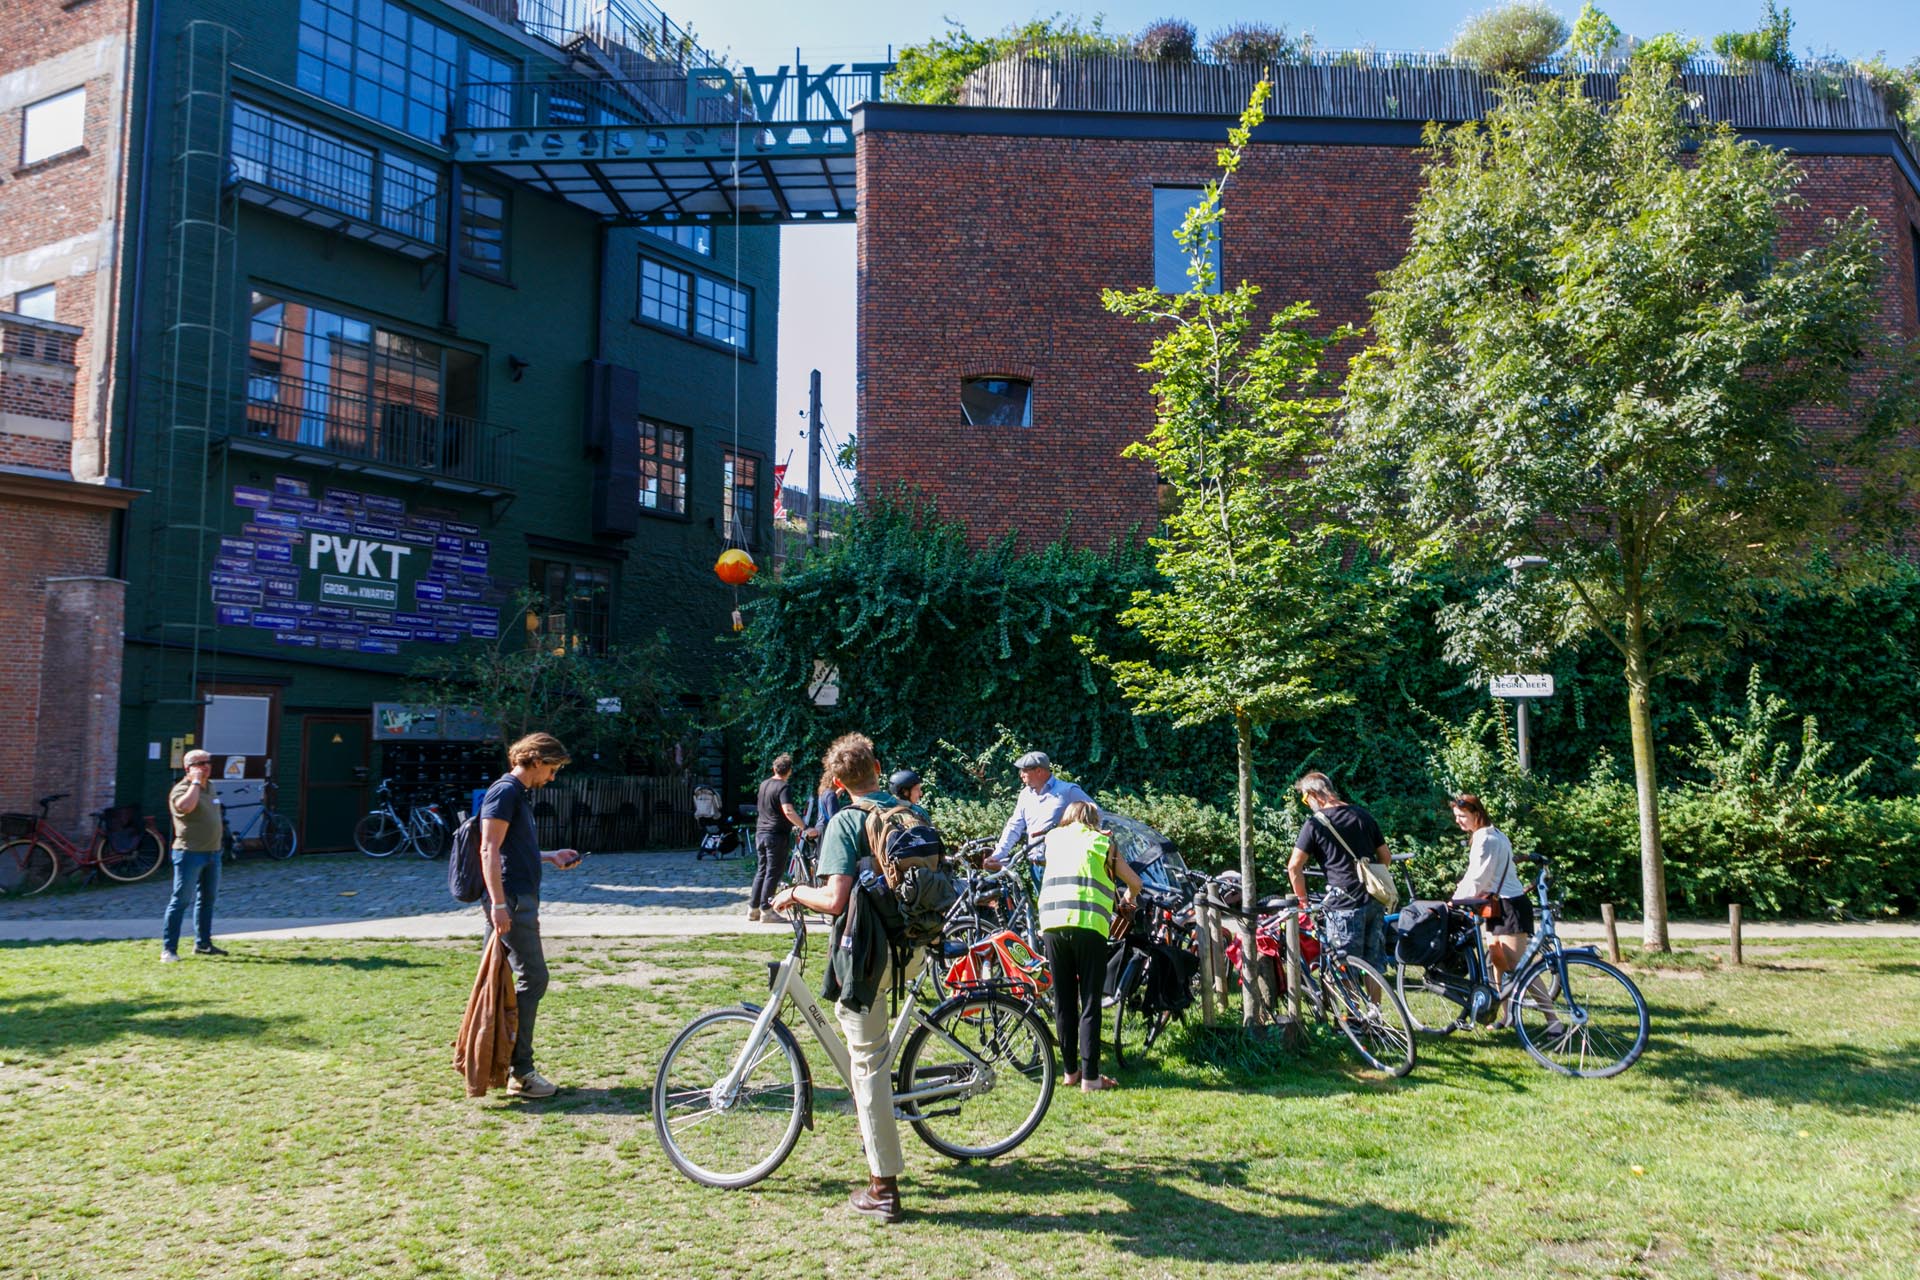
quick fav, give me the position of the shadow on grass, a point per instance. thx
(327, 962)
(613, 1100)
(1167, 1214)
(50, 1024)
(1844, 1078)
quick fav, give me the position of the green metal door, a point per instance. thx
(333, 780)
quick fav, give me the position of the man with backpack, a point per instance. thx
(510, 863)
(856, 902)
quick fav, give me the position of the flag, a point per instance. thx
(780, 492)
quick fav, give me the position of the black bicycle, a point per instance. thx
(1573, 1012)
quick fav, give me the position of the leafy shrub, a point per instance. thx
(1515, 37)
(935, 70)
(1594, 34)
(1168, 40)
(1899, 86)
(1669, 48)
(1770, 45)
(1252, 42)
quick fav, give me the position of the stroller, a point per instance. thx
(719, 834)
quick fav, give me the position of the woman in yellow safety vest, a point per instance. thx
(1077, 901)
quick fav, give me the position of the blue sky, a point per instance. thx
(816, 300)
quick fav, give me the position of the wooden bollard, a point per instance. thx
(1296, 968)
(1203, 931)
(1733, 932)
(1613, 931)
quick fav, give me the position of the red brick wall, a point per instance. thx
(42, 540)
(79, 728)
(986, 255)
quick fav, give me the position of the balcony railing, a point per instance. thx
(374, 433)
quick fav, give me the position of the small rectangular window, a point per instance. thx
(483, 228)
(573, 607)
(739, 495)
(1170, 262)
(54, 126)
(663, 468)
(996, 402)
(663, 294)
(35, 304)
(694, 239)
(410, 198)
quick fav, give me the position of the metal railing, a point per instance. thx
(320, 416)
(664, 98)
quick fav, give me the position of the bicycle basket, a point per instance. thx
(14, 826)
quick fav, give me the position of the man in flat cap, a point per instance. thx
(1043, 798)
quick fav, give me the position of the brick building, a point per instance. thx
(374, 394)
(991, 377)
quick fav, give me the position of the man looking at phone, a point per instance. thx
(510, 863)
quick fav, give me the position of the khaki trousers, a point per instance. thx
(866, 1035)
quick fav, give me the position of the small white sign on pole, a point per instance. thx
(1522, 686)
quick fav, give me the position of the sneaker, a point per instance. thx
(531, 1085)
(169, 957)
(770, 916)
(754, 914)
(208, 950)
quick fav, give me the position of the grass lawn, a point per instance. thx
(292, 1111)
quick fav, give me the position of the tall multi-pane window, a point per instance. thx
(693, 238)
(289, 155)
(387, 62)
(663, 468)
(719, 311)
(663, 294)
(573, 604)
(483, 228)
(739, 495)
(1170, 261)
(410, 198)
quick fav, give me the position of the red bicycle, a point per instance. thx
(126, 846)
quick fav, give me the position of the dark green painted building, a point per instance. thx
(375, 395)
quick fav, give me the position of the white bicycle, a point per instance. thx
(974, 1075)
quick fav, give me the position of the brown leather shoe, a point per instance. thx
(880, 1198)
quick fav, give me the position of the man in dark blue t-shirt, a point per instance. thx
(511, 862)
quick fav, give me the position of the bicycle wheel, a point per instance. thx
(1004, 1094)
(27, 866)
(732, 1141)
(1427, 1002)
(429, 833)
(1594, 1024)
(379, 834)
(280, 839)
(1381, 1029)
(138, 861)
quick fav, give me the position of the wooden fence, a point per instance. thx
(1401, 87)
(603, 815)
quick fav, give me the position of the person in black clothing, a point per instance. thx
(510, 863)
(773, 837)
(1334, 835)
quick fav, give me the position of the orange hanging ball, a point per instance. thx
(735, 567)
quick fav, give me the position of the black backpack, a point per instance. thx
(1423, 929)
(909, 858)
(464, 880)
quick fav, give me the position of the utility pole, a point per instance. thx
(813, 459)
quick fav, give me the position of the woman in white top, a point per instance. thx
(1490, 874)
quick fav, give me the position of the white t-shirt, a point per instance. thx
(1490, 867)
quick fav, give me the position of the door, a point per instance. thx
(333, 779)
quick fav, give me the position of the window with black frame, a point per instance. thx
(572, 608)
(393, 65)
(996, 402)
(483, 229)
(663, 468)
(739, 495)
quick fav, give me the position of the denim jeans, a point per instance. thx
(529, 964)
(195, 875)
(1359, 932)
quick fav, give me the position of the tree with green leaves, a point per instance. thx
(1247, 626)
(1599, 356)
(934, 71)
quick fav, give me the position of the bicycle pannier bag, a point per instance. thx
(908, 853)
(464, 880)
(1423, 928)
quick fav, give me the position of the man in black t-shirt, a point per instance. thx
(510, 863)
(1334, 835)
(773, 837)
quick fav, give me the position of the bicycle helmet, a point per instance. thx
(903, 782)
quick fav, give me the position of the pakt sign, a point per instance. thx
(765, 91)
(366, 571)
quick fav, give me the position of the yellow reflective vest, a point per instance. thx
(1078, 891)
